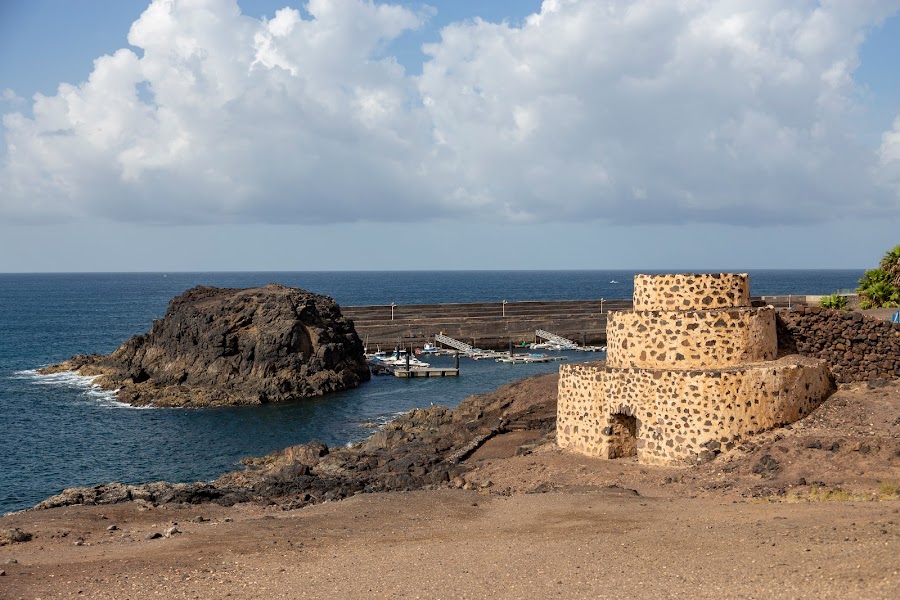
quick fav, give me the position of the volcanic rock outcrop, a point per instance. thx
(220, 346)
(420, 449)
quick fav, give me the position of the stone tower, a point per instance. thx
(692, 368)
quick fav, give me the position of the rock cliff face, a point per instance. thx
(234, 346)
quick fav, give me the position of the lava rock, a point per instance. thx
(857, 347)
(767, 466)
(218, 346)
(424, 448)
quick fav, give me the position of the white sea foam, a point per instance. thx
(382, 420)
(85, 383)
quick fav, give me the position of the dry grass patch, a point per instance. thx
(886, 491)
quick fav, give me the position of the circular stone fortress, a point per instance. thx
(689, 371)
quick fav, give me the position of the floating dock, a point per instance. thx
(524, 359)
(404, 373)
(405, 370)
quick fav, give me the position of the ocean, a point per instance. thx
(58, 431)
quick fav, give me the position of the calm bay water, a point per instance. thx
(57, 431)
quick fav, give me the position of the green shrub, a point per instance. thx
(834, 301)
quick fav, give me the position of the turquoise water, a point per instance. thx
(57, 431)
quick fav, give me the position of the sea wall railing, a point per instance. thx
(493, 325)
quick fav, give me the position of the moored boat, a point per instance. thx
(401, 358)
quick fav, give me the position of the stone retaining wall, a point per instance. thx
(691, 339)
(856, 347)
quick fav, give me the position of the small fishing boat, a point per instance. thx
(400, 358)
(428, 349)
(541, 346)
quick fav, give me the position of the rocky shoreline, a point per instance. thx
(422, 449)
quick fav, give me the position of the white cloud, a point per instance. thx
(10, 96)
(889, 155)
(713, 111)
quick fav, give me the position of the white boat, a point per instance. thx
(541, 346)
(428, 349)
(613, 281)
(552, 346)
(401, 358)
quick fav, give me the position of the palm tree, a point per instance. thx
(873, 276)
(876, 289)
(881, 293)
(890, 263)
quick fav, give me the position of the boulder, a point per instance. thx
(218, 346)
(13, 536)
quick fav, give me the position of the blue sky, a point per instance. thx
(46, 42)
(569, 134)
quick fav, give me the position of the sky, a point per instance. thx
(223, 135)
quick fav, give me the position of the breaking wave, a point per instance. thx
(84, 383)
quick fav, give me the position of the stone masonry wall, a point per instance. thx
(691, 339)
(690, 291)
(689, 371)
(580, 397)
(684, 416)
(857, 347)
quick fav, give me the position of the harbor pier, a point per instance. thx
(494, 325)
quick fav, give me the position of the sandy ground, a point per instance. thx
(818, 518)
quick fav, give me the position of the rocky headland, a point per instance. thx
(218, 346)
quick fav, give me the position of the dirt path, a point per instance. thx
(602, 542)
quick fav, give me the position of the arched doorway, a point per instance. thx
(622, 436)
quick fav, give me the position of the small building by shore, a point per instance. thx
(691, 369)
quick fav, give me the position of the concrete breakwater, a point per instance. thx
(493, 325)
